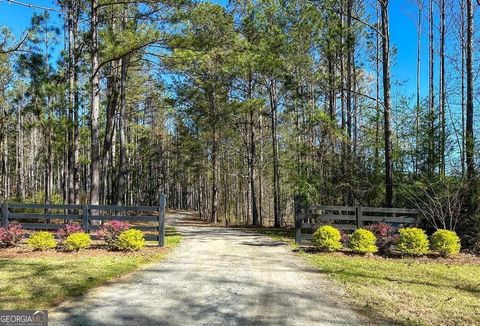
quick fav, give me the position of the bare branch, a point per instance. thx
(364, 95)
(440, 208)
(14, 48)
(357, 19)
(123, 55)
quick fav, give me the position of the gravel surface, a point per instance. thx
(217, 276)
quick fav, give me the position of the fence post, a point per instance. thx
(5, 215)
(161, 220)
(358, 216)
(85, 217)
(298, 220)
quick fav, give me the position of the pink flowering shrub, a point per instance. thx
(68, 229)
(386, 236)
(11, 235)
(344, 236)
(110, 231)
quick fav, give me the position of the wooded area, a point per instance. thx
(232, 110)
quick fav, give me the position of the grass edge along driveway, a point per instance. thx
(400, 291)
(41, 283)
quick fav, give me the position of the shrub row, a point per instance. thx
(117, 235)
(382, 238)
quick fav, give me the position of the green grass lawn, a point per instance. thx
(406, 291)
(40, 283)
(402, 291)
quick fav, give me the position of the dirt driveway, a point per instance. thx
(217, 276)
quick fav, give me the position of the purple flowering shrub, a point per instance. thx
(69, 229)
(344, 238)
(386, 236)
(11, 235)
(110, 231)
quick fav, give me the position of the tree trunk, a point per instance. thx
(214, 153)
(252, 158)
(386, 103)
(469, 136)
(431, 95)
(349, 46)
(462, 40)
(377, 96)
(73, 97)
(417, 108)
(331, 87)
(121, 173)
(95, 110)
(260, 174)
(276, 168)
(442, 91)
(20, 157)
(214, 210)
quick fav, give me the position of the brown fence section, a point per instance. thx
(347, 218)
(150, 219)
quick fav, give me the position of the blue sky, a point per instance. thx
(403, 36)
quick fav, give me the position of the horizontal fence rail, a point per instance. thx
(347, 218)
(55, 216)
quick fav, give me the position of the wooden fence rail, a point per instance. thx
(85, 215)
(347, 218)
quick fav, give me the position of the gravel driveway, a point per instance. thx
(217, 276)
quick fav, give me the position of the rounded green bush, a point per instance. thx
(130, 240)
(327, 238)
(413, 241)
(77, 241)
(445, 242)
(41, 241)
(363, 241)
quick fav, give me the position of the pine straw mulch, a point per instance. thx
(460, 259)
(23, 251)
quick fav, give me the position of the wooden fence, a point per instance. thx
(347, 218)
(54, 217)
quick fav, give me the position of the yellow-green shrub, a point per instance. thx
(445, 242)
(41, 241)
(130, 240)
(363, 241)
(327, 238)
(413, 241)
(77, 241)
